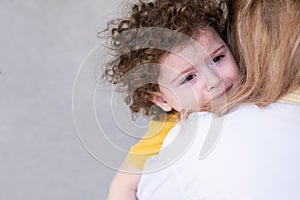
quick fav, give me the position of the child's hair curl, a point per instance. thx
(188, 17)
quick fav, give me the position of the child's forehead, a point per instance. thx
(200, 50)
(174, 59)
(209, 39)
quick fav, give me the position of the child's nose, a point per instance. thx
(212, 79)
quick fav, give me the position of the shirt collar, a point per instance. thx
(293, 97)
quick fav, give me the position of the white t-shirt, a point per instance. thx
(254, 153)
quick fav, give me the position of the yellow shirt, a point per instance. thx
(151, 143)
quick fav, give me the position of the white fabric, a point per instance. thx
(257, 156)
(171, 136)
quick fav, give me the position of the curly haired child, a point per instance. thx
(158, 80)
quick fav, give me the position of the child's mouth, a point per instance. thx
(228, 89)
(224, 92)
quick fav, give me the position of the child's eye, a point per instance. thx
(217, 59)
(188, 78)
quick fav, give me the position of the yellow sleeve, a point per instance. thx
(152, 141)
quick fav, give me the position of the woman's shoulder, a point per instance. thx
(276, 108)
(272, 118)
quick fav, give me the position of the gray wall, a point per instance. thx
(43, 43)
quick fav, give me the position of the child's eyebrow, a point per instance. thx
(190, 68)
(216, 51)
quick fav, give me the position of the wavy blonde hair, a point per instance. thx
(264, 38)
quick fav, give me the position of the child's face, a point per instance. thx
(184, 86)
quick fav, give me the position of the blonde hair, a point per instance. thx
(264, 38)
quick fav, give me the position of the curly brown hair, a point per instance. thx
(131, 47)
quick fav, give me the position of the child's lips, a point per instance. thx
(228, 89)
(223, 92)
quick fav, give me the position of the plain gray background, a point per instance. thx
(43, 44)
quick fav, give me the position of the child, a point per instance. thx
(178, 86)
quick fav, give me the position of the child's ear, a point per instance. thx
(159, 100)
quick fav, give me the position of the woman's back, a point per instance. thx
(256, 157)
